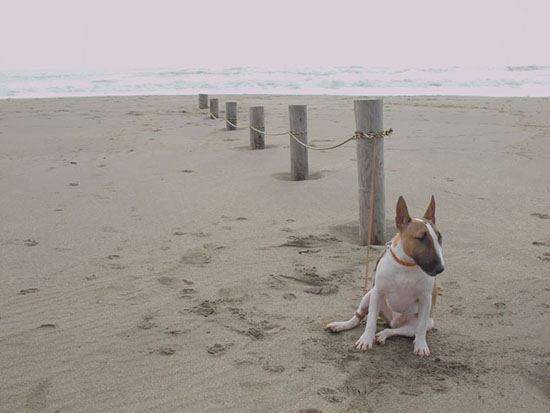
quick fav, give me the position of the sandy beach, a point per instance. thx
(150, 261)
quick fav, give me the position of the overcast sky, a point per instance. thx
(289, 33)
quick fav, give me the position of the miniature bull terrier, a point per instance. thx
(404, 291)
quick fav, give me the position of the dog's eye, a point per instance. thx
(421, 238)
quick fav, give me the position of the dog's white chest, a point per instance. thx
(402, 286)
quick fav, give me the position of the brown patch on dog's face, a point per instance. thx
(416, 240)
(418, 244)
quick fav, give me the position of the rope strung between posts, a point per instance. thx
(266, 133)
(229, 120)
(355, 136)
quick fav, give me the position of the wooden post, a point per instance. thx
(298, 154)
(368, 118)
(231, 115)
(214, 108)
(203, 101)
(256, 116)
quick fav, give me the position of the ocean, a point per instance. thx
(349, 80)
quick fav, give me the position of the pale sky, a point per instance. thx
(281, 33)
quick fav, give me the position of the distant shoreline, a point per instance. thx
(504, 81)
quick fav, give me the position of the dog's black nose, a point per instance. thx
(439, 269)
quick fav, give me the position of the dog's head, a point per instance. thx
(420, 238)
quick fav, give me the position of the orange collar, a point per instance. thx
(406, 264)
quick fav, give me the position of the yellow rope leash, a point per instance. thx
(371, 208)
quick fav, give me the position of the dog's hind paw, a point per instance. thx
(337, 326)
(381, 337)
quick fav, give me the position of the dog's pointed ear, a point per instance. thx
(402, 217)
(430, 212)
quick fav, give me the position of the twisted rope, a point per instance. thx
(357, 135)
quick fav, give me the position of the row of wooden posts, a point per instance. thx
(368, 118)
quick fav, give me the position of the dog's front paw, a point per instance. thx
(365, 342)
(421, 348)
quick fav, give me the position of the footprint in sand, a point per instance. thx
(168, 281)
(255, 333)
(308, 251)
(310, 241)
(30, 243)
(187, 292)
(217, 349)
(47, 326)
(196, 256)
(309, 276)
(163, 351)
(457, 309)
(255, 330)
(324, 290)
(269, 367)
(541, 216)
(213, 247)
(26, 291)
(146, 323)
(174, 331)
(226, 218)
(114, 257)
(545, 257)
(330, 395)
(205, 309)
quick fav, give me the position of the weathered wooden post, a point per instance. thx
(231, 115)
(214, 108)
(298, 154)
(368, 118)
(256, 116)
(203, 101)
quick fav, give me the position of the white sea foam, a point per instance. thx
(350, 80)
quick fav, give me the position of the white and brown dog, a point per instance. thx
(404, 291)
